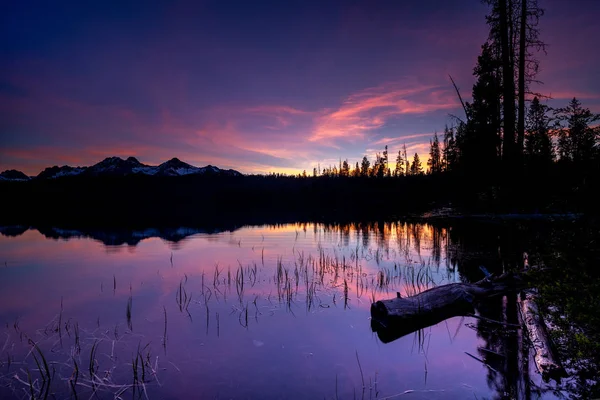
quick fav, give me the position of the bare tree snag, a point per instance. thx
(460, 98)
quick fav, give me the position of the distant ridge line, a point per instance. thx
(116, 166)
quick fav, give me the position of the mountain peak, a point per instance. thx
(57, 172)
(13, 175)
(116, 166)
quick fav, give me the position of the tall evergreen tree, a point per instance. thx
(356, 171)
(435, 158)
(345, 171)
(364, 167)
(416, 168)
(577, 140)
(539, 151)
(379, 166)
(449, 152)
(478, 140)
(399, 171)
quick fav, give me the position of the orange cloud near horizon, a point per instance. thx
(252, 139)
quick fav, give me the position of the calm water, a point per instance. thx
(260, 312)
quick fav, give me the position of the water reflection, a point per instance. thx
(273, 309)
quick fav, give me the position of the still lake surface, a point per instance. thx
(269, 312)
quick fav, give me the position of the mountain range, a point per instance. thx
(116, 166)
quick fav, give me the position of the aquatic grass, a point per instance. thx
(239, 282)
(43, 368)
(60, 321)
(216, 275)
(77, 338)
(29, 380)
(362, 377)
(182, 298)
(76, 382)
(164, 338)
(74, 377)
(93, 364)
(315, 278)
(128, 312)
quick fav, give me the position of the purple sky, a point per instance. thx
(259, 86)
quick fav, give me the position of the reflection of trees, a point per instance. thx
(469, 247)
(417, 232)
(506, 351)
(571, 287)
(436, 241)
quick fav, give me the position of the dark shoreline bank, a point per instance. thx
(225, 203)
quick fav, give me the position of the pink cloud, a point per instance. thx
(372, 108)
(251, 138)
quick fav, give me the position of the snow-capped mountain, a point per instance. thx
(13, 175)
(116, 166)
(175, 167)
(57, 172)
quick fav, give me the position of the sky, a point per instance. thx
(258, 86)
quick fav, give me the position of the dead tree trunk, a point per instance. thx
(397, 317)
(544, 357)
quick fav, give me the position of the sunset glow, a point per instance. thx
(260, 88)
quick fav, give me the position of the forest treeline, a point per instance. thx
(507, 136)
(567, 137)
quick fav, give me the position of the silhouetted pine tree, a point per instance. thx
(399, 171)
(345, 171)
(450, 151)
(379, 166)
(577, 141)
(356, 171)
(478, 140)
(435, 157)
(416, 168)
(364, 167)
(539, 150)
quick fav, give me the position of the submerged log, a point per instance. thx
(543, 354)
(394, 318)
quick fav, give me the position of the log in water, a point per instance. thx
(396, 317)
(543, 354)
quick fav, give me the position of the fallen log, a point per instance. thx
(543, 355)
(396, 317)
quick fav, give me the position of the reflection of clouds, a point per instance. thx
(82, 270)
(372, 247)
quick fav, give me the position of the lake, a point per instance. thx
(269, 312)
